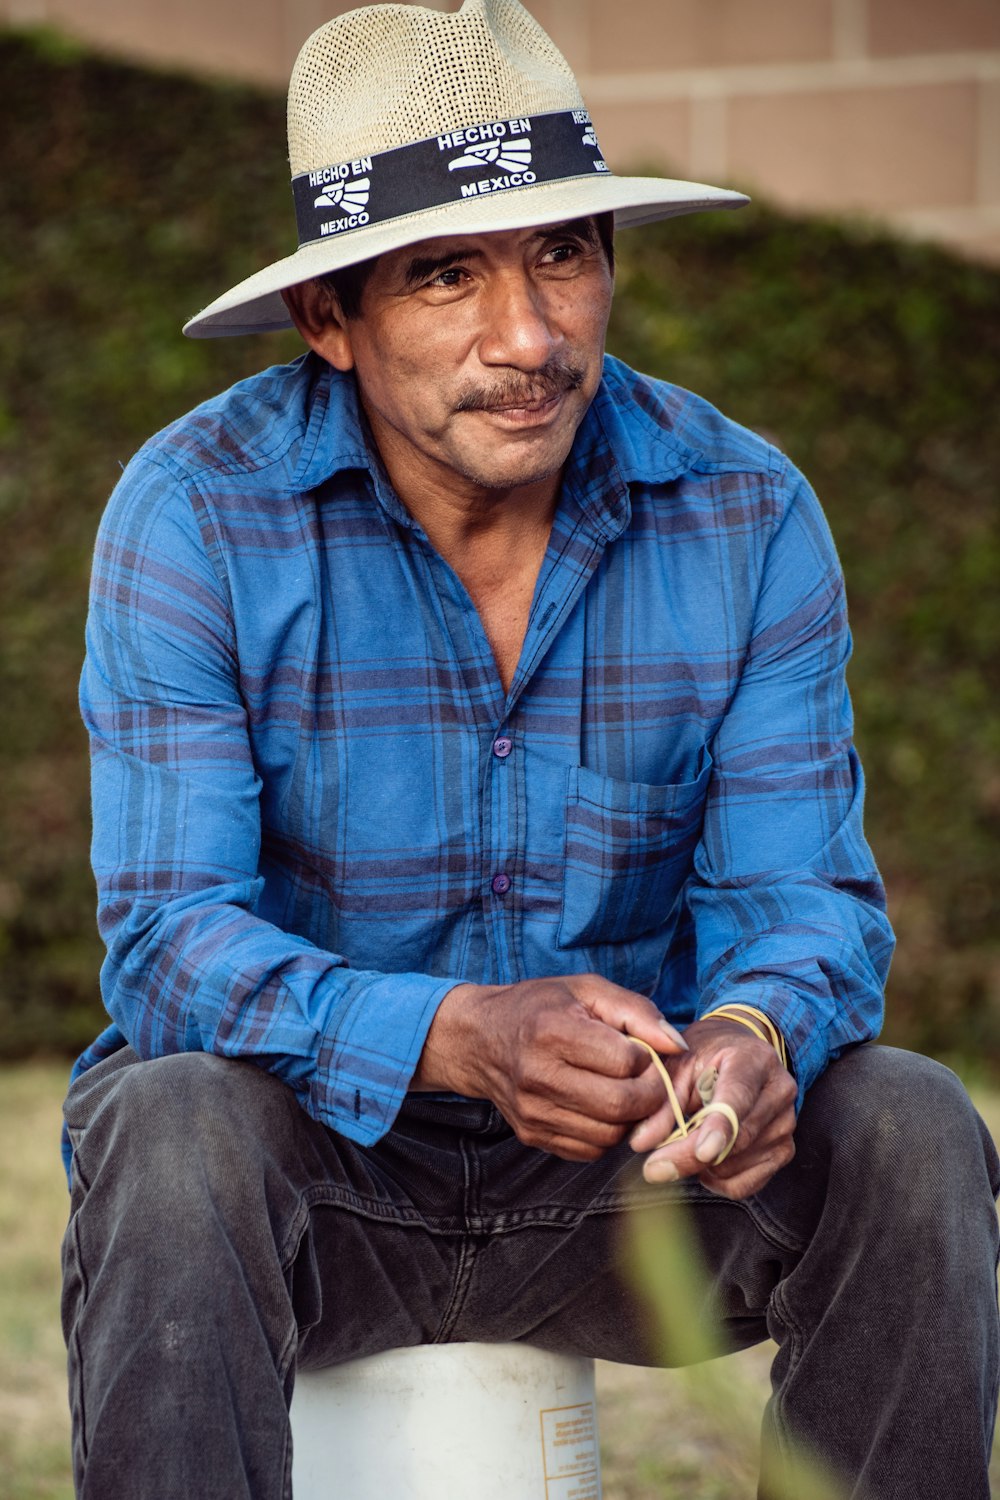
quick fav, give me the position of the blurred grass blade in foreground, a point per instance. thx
(665, 1268)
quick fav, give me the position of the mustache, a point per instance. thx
(513, 389)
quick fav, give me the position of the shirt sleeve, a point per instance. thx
(176, 837)
(788, 907)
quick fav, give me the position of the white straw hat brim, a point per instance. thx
(255, 305)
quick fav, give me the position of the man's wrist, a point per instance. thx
(452, 1045)
(753, 1020)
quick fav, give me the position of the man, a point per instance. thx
(467, 712)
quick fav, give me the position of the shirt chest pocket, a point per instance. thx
(627, 853)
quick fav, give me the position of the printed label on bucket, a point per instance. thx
(569, 1448)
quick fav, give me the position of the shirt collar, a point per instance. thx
(338, 438)
(637, 427)
(335, 432)
(620, 442)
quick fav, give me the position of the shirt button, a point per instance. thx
(502, 747)
(500, 885)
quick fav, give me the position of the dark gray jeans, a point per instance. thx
(220, 1238)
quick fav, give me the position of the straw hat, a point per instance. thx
(405, 123)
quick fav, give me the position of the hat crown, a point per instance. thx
(387, 75)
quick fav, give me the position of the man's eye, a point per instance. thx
(452, 276)
(559, 254)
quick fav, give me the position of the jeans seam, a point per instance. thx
(76, 1165)
(784, 1437)
(466, 1255)
(768, 1227)
(284, 1364)
(286, 1477)
(289, 1353)
(378, 1212)
(84, 1297)
(463, 1277)
(289, 1248)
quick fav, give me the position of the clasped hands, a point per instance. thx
(558, 1059)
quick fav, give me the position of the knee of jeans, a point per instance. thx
(182, 1126)
(906, 1119)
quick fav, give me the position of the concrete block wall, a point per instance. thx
(889, 108)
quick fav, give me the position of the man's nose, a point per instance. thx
(518, 328)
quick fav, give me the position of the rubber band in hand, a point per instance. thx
(705, 1086)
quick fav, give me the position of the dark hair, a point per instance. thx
(350, 281)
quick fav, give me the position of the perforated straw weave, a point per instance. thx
(387, 76)
(391, 74)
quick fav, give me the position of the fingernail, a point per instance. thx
(709, 1148)
(660, 1171)
(674, 1035)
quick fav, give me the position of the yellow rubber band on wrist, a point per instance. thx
(685, 1126)
(754, 1020)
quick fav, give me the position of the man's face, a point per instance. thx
(477, 356)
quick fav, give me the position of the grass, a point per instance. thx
(659, 1438)
(34, 1423)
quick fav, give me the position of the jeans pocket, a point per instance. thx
(628, 849)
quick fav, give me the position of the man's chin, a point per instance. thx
(511, 476)
(522, 459)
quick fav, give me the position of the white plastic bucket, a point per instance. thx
(448, 1422)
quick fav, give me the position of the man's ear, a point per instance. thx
(317, 315)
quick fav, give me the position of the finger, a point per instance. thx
(716, 1134)
(671, 1116)
(758, 1153)
(688, 1076)
(624, 1010)
(545, 1088)
(753, 1084)
(748, 1079)
(772, 1139)
(654, 1130)
(688, 1156)
(770, 1119)
(613, 1101)
(754, 1172)
(563, 1131)
(574, 1035)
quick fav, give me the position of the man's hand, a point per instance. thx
(753, 1082)
(552, 1055)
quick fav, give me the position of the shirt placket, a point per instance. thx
(500, 724)
(505, 790)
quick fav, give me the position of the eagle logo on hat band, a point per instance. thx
(350, 197)
(506, 156)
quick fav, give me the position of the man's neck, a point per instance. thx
(493, 539)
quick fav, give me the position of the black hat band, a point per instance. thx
(470, 163)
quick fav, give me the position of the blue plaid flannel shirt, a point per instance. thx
(315, 809)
